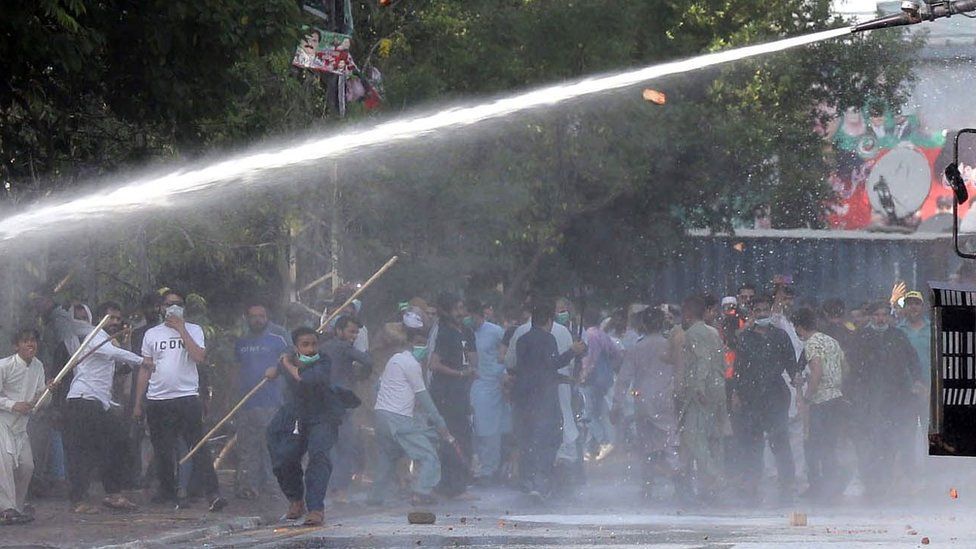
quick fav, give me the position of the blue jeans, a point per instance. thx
(287, 450)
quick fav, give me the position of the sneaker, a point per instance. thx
(217, 504)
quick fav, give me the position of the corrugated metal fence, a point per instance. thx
(854, 266)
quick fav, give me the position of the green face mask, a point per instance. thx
(468, 321)
(563, 318)
(419, 352)
(306, 360)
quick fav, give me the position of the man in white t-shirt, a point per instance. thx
(173, 407)
(398, 430)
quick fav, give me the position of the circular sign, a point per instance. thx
(901, 179)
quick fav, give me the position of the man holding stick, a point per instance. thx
(94, 437)
(21, 384)
(173, 407)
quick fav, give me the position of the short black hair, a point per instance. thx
(747, 286)
(446, 301)
(762, 298)
(652, 318)
(171, 291)
(25, 334)
(834, 308)
(591, 317)
(256, 303)
(805, 318)
(543, 311)
(694, 305)
(302, 331)
(709, 300)
(475, 307)
(346, 320)
(103, 308)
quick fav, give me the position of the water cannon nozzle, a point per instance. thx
(913, 13)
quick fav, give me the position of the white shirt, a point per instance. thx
(18, 383)
(175, 374)
(401, 380)
(93, 376)
(564, 340)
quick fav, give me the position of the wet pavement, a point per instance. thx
(606, 513)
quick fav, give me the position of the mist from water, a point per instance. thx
(155, 192)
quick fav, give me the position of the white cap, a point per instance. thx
(729, 300)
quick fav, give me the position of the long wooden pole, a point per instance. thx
(260, 384)
(102, 344)
(361, 289)
(73, 360)
(221, 423)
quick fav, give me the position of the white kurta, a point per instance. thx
(19, 382)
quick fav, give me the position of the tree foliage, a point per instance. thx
(600, 189)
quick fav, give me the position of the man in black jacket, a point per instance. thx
(882, 375)
(761, 398)
(536, 399)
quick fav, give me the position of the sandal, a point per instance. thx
(295, 510)
(118, 501)
(13, 516)
(314, 518)
(84, 508)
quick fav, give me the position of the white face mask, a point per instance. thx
(174, 310)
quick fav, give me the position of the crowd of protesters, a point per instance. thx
(532, 399)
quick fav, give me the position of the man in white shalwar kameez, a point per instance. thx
(21, 383)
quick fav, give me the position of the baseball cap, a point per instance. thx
(915, 294)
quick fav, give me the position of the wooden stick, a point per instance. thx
(64, 281)
(100, 345)
(361, 289)
(315, 282)
(224, 451)
(221, 423)
(73, 360)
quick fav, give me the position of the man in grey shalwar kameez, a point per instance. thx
(651, 382)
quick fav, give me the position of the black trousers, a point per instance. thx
(170, 420)
(539, 436)
(93, 442)
(455, 473)
(826, 477)
(757, 422)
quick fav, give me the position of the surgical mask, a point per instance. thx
(563, 318)
(468, 321)
(306, 360)
(175, 310)
(419, 352)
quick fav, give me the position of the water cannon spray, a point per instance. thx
(912, 13)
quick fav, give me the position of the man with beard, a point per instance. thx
(350, 367)
(255, 352)
(453, 365)
(761, 400)
(883, 373)
(93, 435)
